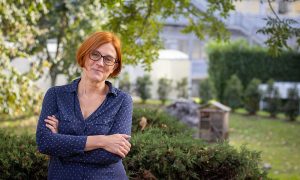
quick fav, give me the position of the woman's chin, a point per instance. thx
(97, 78)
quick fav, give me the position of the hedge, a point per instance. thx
(249, 62)
(161, 151)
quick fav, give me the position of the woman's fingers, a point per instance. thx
(122, 152)
(51, 122)
(53, 130)
(53, 118)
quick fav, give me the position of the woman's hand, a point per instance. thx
(117, 144)
(52, 123)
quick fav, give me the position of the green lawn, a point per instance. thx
(278, 140)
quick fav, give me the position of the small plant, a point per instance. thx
(207, 90)
(272, 97)
(143, 87)
(164, 89)
(124, 83)
(292, 104)
(252, 96)
(182, 88)
(233, 92)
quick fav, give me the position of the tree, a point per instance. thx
(125, 82)
(164, 88)
(252, 96)
(233, 92)
(279, 31)
(143, 87)
(272, 97)
(207, 90)
(18, 94)
(292, 104)
(182, 88)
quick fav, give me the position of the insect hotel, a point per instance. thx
(213, 121)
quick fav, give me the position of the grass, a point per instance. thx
(278, 141)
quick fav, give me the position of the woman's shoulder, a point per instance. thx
(70, 87)
(123, 94)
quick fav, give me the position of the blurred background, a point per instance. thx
(181, 57)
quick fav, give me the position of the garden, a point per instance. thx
(259, 84)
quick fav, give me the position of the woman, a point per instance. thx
(85, 126)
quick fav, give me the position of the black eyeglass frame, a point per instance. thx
(104, 58)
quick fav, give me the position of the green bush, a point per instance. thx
(207, 90)
(182, 157)
(165, 149)
(233, 92)
(292, 105)
(19, 158)
(182, 88)
(157, 118)
(143, 87)
(252, 97)
(164, 89)
(272, 97)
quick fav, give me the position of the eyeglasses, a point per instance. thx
(108, 60)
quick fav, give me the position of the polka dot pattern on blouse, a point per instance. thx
(68, 160)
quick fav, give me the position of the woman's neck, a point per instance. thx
(88, 87)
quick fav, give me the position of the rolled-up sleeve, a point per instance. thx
(52, 143)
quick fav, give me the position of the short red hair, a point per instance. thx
(96, 40)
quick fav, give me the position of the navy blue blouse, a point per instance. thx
(68, 160)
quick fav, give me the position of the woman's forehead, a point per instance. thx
(107, 49)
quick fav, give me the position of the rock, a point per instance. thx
(186, 111)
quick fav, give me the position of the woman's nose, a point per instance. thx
(100, 62)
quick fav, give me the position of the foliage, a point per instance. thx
(279, 31)
(272, 98)
(164, 88)
(157, 118)
(252, 96)
(18, 94)
(207, 90)
(233, 92)
(19, 158)
(248, 62)
(165, 149)
(182, 88)
(138, 23)
(143, 87)
(124, 82)
(292, 104)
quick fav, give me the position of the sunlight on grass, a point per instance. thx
(276, 139)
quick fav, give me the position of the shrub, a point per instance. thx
(252, 97)
(182, 88)
(207, 90)
(164, 150)
(181, 157)
(125, 82)
(233, 92)
(292, 104)
(157, 118)
(143, 87)
(19, 158)
(272, 97)
(164, 88)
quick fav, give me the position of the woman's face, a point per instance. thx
(98, 70)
